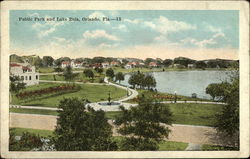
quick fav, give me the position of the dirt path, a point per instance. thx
(180, 133)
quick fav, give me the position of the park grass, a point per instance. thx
(163, 145)
(93, 93)
(195, 114)
(172, 146)
(153, 93)
(19, 131)
(218, 148)
(79, 78)
(45, 70)
(187, 113)
(33, 111)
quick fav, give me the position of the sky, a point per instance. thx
(199, 34)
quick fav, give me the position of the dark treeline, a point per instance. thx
(179, 62)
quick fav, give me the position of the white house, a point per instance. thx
(105, 65)
(75, 64)
(25, 72)
(153, 64)
(190, 65)
(65, 64)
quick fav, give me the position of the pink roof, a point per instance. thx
(17, 65)
(65, 62)
(153, 64)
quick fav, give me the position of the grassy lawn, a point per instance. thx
(189, 114)
(194, 114)
(163, 146)
(19, 131)
(93, 93)
(33, 111)
(218, 148)
(172, 146)
(45, 70)
(151, 94)
(79, 78)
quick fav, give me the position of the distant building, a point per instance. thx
(114, 63)
(105, 65)
(130, 65)
(96, 65)
(65, 64)
(190, 65)
(75, 64)
(153, 64)
(25, 72)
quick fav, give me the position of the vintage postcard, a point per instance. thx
(124, 79)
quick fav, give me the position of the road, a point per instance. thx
(180, 133)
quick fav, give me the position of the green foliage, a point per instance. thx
(119, 77)
(81, 129)
(88, 73)
(27, 142)
(183, 61)
(142, 125)
(142, 80)
(200, 64)
(16, 84)
(228, 119)
(110, 73)
(99, 70)
(149, 81)
(58, 69)
(167, 62)
(217, 90)
(68, 74)
(47, 61)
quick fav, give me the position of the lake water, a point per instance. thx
(186, 82)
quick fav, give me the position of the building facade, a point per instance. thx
(25, 72)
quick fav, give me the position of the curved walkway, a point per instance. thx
(179, 133)
(132, 93)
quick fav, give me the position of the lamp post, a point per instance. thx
(127, 91)
(109, 98)
(175, 97)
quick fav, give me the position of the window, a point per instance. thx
(37, 77)
(22, 78)
(26, 77)
(30, 77)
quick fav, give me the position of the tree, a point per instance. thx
(16, 84)
(99, 70)
(110, 73)
(217, 90)
(201, 64)
(142, 125)
(149, 81)
(148, 60)
(119, 77)
(38, 63)
(88, 73)
(68, 74)
(228, 119)
(132, 80)
(167, 62)
(81, 129)
(58, 69)
(47, 61)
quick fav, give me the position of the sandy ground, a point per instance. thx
(181, 133)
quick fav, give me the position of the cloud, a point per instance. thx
(121, 27)
(164, 25)
(99, 15)
(213, 41)
(45, 28)
(135, 21)
(33, 15)
(100, 34)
